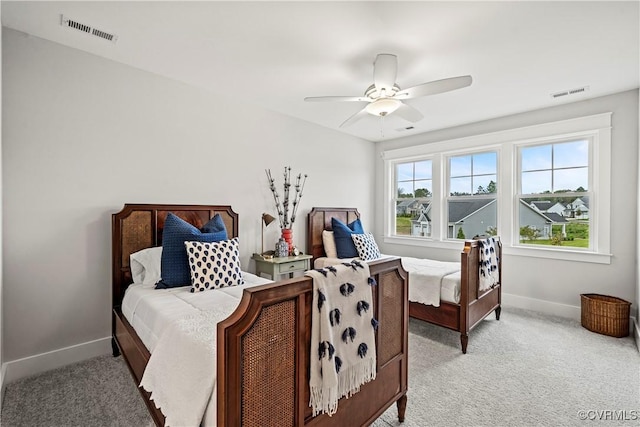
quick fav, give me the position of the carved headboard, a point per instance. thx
(140, 226)
(318, 220)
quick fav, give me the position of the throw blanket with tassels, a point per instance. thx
(343, 353)
(489, 271)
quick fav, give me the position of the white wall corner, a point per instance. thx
(32, 365)
(635, 331)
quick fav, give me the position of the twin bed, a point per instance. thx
(263, 330)
(466, 306)
(263, 345)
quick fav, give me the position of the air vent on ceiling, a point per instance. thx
(405, 128)
(570, 92)
(65, 21)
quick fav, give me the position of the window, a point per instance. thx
(544, 189)
(553, 204)
(414, 184)
(472, 204)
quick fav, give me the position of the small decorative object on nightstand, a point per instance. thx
(277, 266)
(282, 248)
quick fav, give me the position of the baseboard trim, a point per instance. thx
(3, 375)
(542, 306)
(39, 363)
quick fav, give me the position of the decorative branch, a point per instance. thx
(283, 207)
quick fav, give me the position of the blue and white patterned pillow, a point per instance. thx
(214, 265)
(366, 246)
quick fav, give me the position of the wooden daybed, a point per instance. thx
(474, 305)
(272, 322)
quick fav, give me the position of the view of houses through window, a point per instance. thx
(552, 201)
(554, 197)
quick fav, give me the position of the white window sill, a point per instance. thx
(531, 252)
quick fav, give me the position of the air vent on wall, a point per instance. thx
(570, 92)
(65, 21)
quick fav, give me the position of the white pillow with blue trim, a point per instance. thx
(366, 246)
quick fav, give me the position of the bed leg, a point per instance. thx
(114, 347)
(498, 312)
(464, 339)
(402, 406)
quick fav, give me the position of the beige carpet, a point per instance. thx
(525, 370)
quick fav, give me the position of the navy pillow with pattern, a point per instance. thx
(342, 235)
(174, 263)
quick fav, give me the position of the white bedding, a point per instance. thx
(158, 316)
(429, 281)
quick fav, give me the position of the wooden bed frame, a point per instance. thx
(474, 304)
(264, 346)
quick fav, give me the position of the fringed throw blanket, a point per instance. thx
(489, 272)
(343, 353)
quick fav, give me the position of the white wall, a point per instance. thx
(548, 285)
(637, 300)
(2, 366)
(84, 135)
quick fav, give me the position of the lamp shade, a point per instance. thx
(267, 219)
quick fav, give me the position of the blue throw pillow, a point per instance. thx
(342, 234)
(215, 225)
(175, 263)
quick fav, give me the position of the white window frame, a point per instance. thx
(395, 198)
(590, 137)
(597, 127)
(447, 183)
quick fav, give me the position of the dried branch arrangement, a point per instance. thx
(283, 206)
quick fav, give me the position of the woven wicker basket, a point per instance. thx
(605, 314)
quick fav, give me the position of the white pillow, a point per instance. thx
(366, 246)
(214, 265)
(145, 265)
(329, 243)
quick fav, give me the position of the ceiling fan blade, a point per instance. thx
(356, 117)
(335, 98)
(435, 87)
(385, 70)
(409, 113)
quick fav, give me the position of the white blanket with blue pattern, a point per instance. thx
(343, 353)
(488, 270)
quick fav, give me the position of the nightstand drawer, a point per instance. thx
(293, 266)
(274, 267)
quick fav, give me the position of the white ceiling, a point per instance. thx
(273, 54)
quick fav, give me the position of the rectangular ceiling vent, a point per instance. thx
(405, 128)
(65, 21)
(570, 92)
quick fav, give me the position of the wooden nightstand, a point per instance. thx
(275, 267)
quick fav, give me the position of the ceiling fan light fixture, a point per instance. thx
(382, 107)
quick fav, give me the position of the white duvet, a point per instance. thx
(430, 281)
(179, 329)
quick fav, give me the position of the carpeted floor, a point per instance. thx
(525, 370)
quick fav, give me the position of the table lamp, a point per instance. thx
(266, 220)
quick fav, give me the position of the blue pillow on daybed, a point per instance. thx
(175, 263)
(342, 235)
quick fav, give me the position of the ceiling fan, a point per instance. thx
(385, 97)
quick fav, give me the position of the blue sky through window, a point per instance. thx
(553, 167)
